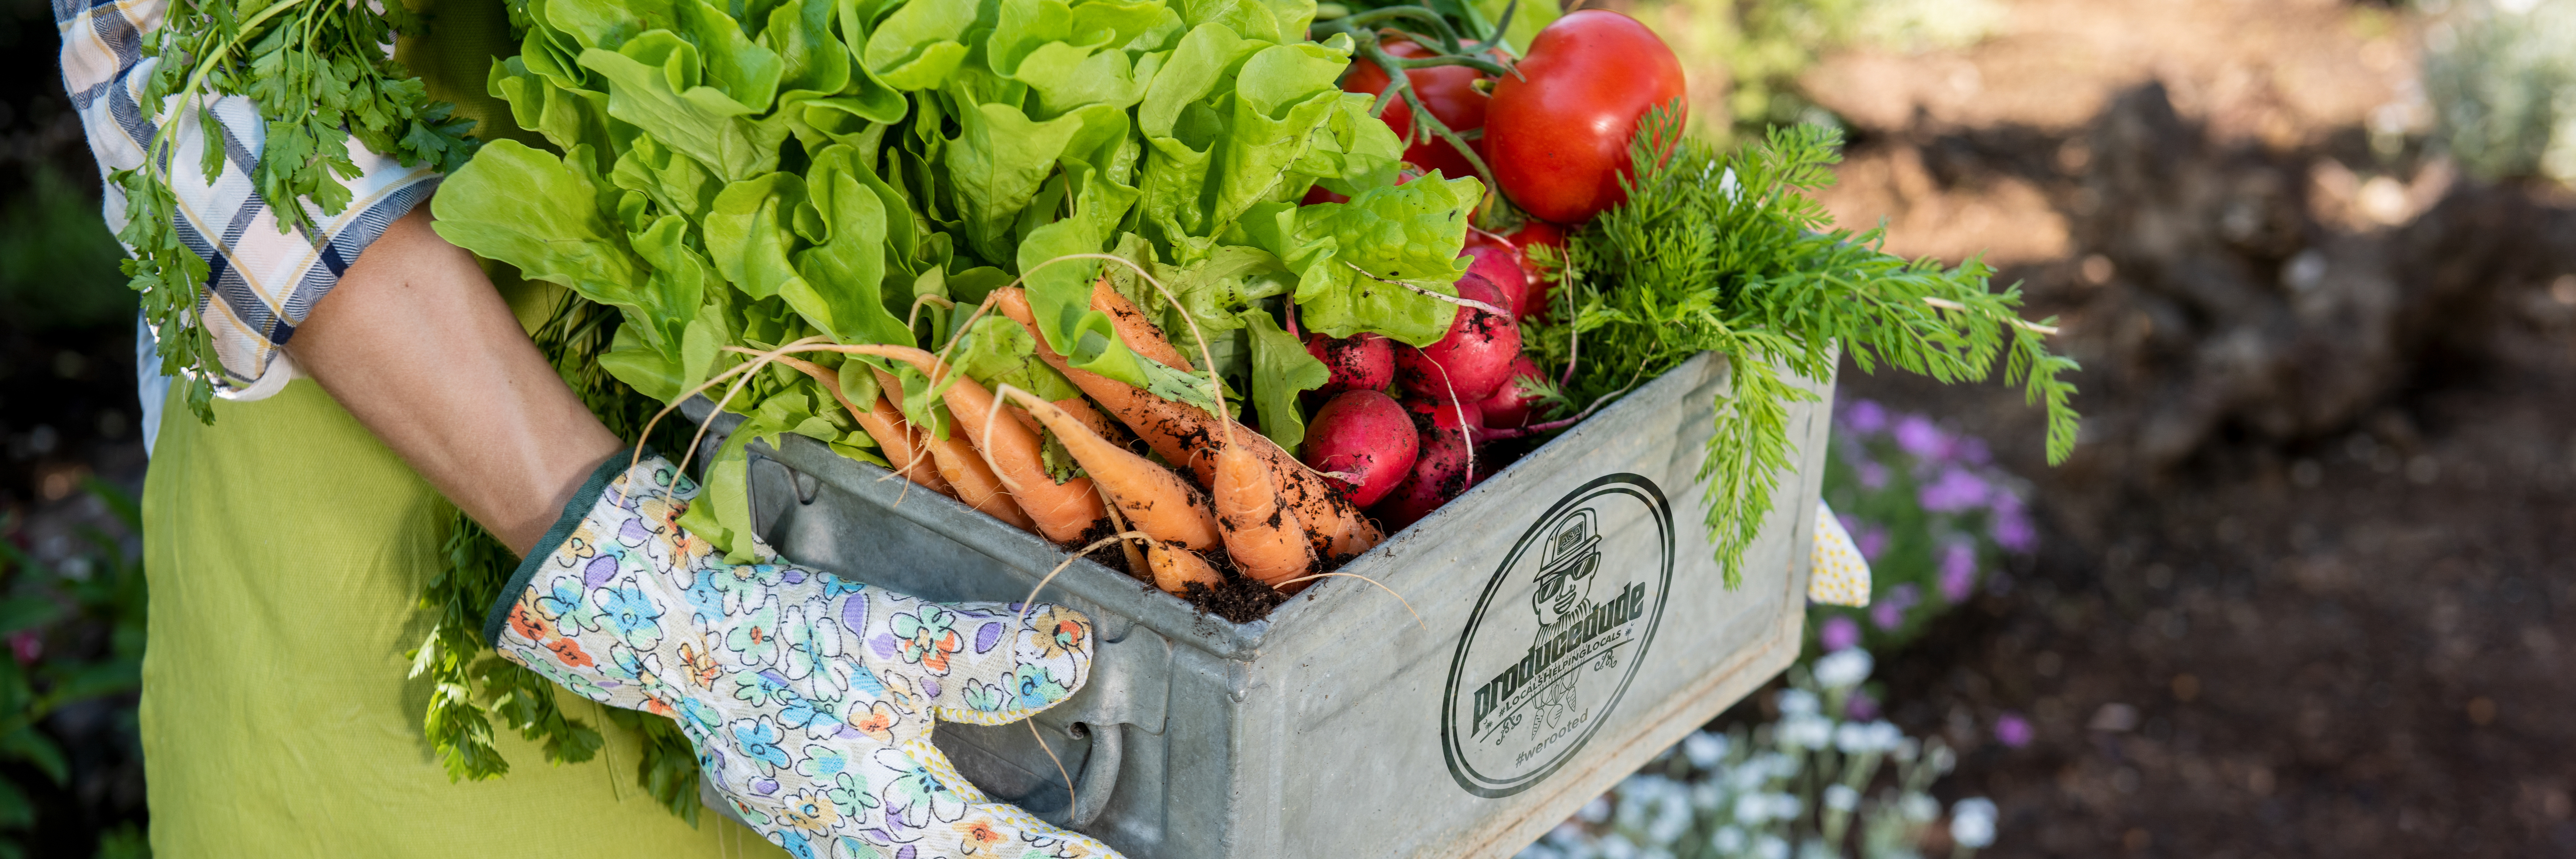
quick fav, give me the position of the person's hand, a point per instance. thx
(810, 698)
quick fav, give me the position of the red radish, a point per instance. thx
(1510, 407)
(1438, 416)
(1365, 435)
(1361, 362)
(1473, 359)
(1439, 474)
(1500, 263)
(1537, 232)
(1321, 194)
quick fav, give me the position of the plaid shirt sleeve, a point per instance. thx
(261, 282)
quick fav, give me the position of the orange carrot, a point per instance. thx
(1062, 511)
(903, 446)
(1184, 434)
(1175, 567)
(1082, 410)
(1264, 538)
(1153, 499)
(967, 472)
(1136, 329)
(884, 423)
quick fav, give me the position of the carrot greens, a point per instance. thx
(1726, 252)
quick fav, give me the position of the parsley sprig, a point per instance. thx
(1728, 253)
(319, 74)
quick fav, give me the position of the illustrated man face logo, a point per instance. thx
(1565, 576)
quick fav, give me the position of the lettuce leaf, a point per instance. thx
(1281, 369)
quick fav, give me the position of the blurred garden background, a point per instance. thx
(2303, 590)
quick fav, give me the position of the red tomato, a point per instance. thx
(1556, 134)
(1449, 91)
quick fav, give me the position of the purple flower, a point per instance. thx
(2012, 730)
(28, 645)
(1838, 633)
(1871, 540)
(1919, 437)
(2012, 527)
(1956, 490)
(1958, 571)
(1861, 707)
(1973, 449)
(1889, 613)
(1865, 417)
(1873, 475)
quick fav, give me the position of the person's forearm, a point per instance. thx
(416, 343)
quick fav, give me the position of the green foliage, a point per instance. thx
(1728, 253)
(2504, 82)
(737, 178)
(55, 257)
(319, 76)
(105, 590)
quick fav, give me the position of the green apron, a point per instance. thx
(286, 549)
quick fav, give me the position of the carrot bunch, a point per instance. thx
(1221, 494)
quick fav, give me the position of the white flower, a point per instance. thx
(1885, 735)
(1706, 795)
(1798, 702)
(1917, 807)
(1752, 809)
(1613, 846)
(1785, 806)
(1745, 779)
(1771, 847)
(1972, 822)
(1808, 730)
(1595, 811)
(1704, 749)
(1879, 736)
(1841, 797)
(1852, 738)
(1843, 668)
(1672, 818)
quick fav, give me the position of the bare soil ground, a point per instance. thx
(2307, 589)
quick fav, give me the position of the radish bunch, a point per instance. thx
(1399, 427)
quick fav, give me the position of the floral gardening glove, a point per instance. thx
(810, 698)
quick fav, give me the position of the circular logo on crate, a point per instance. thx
(1557, 635)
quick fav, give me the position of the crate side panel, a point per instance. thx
(1368, 689)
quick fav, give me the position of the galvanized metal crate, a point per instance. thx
(1558, 626)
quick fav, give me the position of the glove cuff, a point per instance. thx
(575, 510)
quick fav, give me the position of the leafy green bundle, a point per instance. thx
(752, 176)
(1724, 252)
(740, 177)
(319, 76)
